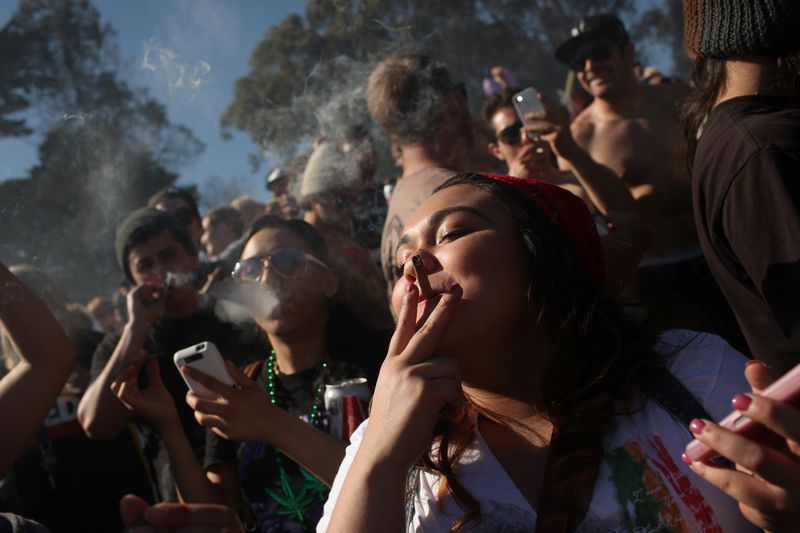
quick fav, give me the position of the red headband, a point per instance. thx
(569, 214)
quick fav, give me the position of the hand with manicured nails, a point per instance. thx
(139, 517)
(145, 305)
(154, 403)
(414, 385)
(237, 413)
(766, 482)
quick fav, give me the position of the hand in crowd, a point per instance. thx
(552, 126)
(414, 385)
(139, 517)
(533, 161)
(154, 403)
(145, 305)
(239, 414)
(766, 482)
(216, 275)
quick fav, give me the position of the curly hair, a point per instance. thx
(406, 95)
(600, 358)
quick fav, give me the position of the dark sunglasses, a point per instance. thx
(598, 52)
(510, 134)
(289, 262)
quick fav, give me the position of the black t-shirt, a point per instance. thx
(292, 500)
(746, 190)
(240, 345)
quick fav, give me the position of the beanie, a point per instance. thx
(141, 225)
(725, 28)
(328, 170)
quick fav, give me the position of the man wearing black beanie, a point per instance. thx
(165, 314)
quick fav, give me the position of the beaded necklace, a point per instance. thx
(295, 502)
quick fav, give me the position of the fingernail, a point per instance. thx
(754, 362)
(741, 402)
(696, 426)
(685, 459)
(410, 287)
(455, 288)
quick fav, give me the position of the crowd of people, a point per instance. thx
(546, 308)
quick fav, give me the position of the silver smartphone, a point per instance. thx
(527, 101)
(206, 358)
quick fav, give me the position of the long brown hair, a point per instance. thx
(709, 78)
(599, 358)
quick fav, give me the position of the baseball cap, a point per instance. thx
(277, 175)
(591, 28)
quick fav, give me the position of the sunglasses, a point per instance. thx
(510, 134)
(598, 52)
(288, 262)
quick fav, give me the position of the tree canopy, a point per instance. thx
(105, 148)
(307, 75)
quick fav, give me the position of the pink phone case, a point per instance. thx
(786, 389)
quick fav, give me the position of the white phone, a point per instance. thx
(206, 358)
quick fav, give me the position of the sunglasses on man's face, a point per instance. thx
(288, 262)
(510, 134)
(597, 52)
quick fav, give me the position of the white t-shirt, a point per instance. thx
(642, 485)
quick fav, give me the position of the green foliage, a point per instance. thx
(308, 73)
(106, 147)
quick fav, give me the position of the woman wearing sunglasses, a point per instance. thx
(516, 398)
(274, 421)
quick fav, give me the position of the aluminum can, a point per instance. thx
(346, 403)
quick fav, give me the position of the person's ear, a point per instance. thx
(495, 151)
(330, 283)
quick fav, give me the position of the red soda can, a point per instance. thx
(346, 403)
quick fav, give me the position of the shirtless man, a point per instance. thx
(633, 129)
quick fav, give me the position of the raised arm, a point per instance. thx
(413, 387)
(100, 412)
(47, 357)
(603, 187)
(155, 405)
(245, 414)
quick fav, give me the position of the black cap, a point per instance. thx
(589, 29)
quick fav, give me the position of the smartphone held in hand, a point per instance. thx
(525, 102)
(206, 358)
(786, 389)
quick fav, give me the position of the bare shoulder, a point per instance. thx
(583, 126)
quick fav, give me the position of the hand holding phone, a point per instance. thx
(206, 358)
(525, 102)
(786, 389)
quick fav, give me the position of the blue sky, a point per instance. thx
(189, 54)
